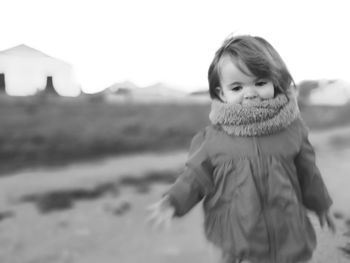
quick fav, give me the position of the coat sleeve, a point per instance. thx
(314, 192)
(195, 182)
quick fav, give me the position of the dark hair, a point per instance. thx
(259, 57)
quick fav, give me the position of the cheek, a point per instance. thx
(267, 92)
(234, 97)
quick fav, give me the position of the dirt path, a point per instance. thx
(111, 227)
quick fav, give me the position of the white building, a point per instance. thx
(25, 71)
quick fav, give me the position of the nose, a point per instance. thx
(250, 93)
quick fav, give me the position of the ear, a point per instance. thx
(220, 93)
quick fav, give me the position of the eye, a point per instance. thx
(260, 83)
(236, 88)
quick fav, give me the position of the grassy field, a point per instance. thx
(38, 131)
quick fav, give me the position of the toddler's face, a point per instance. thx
(239, 88)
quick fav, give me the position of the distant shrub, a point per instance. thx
(324, 117)
(59, 131)
(304, 91)
(64, 130)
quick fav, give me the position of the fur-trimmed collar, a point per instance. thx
(261, 118)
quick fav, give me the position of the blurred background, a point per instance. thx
(99, 101)
(47, 129)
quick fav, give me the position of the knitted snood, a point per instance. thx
(259, 118)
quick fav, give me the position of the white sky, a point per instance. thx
(149, 41)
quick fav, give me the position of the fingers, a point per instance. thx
(330, 224)
(160, 215)
(154, 205)
(160, 220)
(155, 215)
(321, 219)
(325, 218)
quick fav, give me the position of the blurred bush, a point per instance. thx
(38, 131)
(304, 91)
(55, 131)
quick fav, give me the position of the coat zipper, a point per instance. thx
(263, 196)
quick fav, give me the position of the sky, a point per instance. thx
(173, 42)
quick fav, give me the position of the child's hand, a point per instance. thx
(324, 217)
(161, 213)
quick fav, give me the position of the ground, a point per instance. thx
(96, 212)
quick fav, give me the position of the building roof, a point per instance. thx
(23, 51)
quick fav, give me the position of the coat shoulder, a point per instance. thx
(300, 126)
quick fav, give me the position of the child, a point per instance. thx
(254, 166)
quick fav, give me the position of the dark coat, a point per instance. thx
(256, 192)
